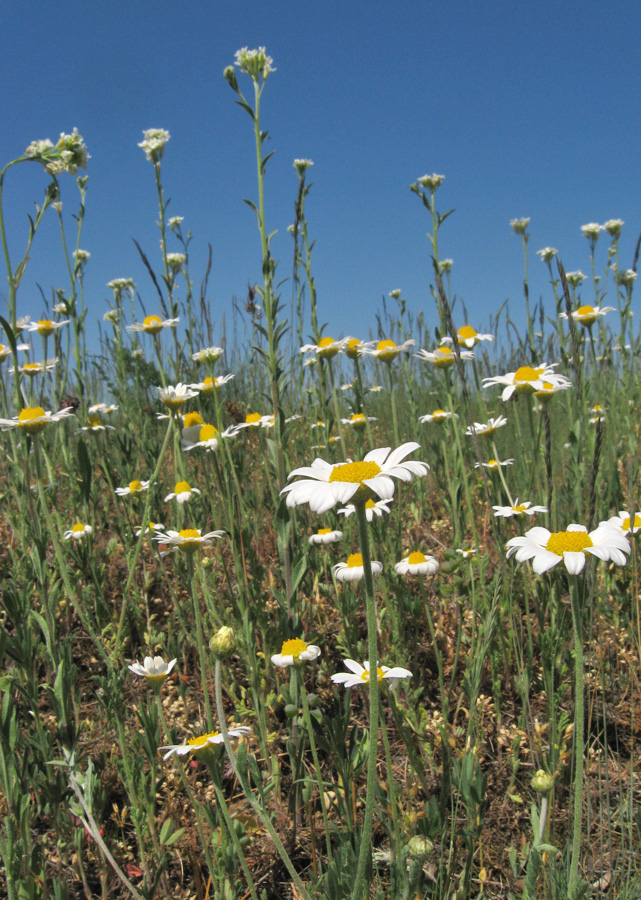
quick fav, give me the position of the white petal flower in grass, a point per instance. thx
(442, 357)
(34, 419)
(208, 437)
(486, 429)
(374, 389)
(624, 522)
(6, 351)
(175, 396)
(36, 368)
(525, 380)
(208, 354)
(346, 387)
(326, 536)
(188, 539)
(324, 484)
(547, 254)
(152, 528)
(204, 742)
(353, 569)
(176, 261)
(468, 337)
(326, 348)
(354, 347)
(549, 389)
(439, 416)
(134, 487)
(46, 327)
(518, 510)
(547, 548)
(598, 414)
(592, 230)
(466, 552)
(207, 385)
(417, 564)
(154, 669)
(575, 278)
(101, 408)
(494, 463)
(154, 143)
(371, 509)
(387, 350)
(359, 420)
(153, 325)
(182, 492)
(47, 485)
(295, 652)
(95, 425)
(358, 674)
(255, 420)
(191, 424)
(613, 227)
(587, 315)
(78, 532)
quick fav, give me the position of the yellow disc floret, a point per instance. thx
(466, 332)
(208, 385)
(191, 419)
(327, 347)
(414, 559)
(586, 315)
(252, 418)
(152, 324)
(352, 348)
(324, 531)
(78, 528)
(355, 472)
(293, 647)
(355, 560)
(379, 674)
(386, 350)
(182, 487)
(32, 420)
(207, 433)
(202, 742)
(135, 486)
(561, 542)
(45, 327)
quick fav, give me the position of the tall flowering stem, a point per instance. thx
(577, 627)
(365, 851)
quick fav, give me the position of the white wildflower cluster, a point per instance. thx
(547, 254)
(519, 226)
(431, 182)
(68, 155)
(121, 284)
(302, 165)
(254, 63)
(176, 261)
(153, 143)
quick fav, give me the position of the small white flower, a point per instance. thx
(445, 265)
(176, 261)
(46, 327)
(387, 350)
(294, 652)
(371, 509)
(152, 325)
(154, 143)
(101, 408)
(121, 284)
(526, 380)
(494, 464)
(487, 429)
(613, 227)
(443, 357)
(33, 420)
(326, 536)
(359, 674)
(439, 416)
(546, 548)
(6, 351)
(254, 63)
(203, 742)
(354, 348)
(431, 182)
(623, 521)
(587, 315)
(518, 510)
(417, 564)
(182, 493)
(78, 531)
(188, 539)
(519, 225)
(175, 221)
(134, 487)
(153, 669)
(547, 254)
(207, 385)
(302, 165)
(353, 569)
(255, 420)
(575, 278)
(35, 368)
(152, 528)
(94, 425)
(175, 397)
(208, 437)
(359, 420)
(592, 230)
(81, 257)
(466, 552)
(326, 348)
(468, 337)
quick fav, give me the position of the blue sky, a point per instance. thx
(528, 109)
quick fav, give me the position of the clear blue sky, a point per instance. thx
(528, 109)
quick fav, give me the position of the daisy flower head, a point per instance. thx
(549, 389)
(326, 536)
(326, 348)
(374, 389)
(192, 423)
(359, 420)
(95, 425)
(32, 420)
(466, 552)
(255, 420)
(359, 674)
(154, 669)
(387, 350)
(592, 230)
(547, 548)
(208, 354)
(182, 493)
(176, 261)
(152, 325)
(493, 463)
(294, 653)
(526, 380)
(353, 569)
(207, 385)
(353, 347)
(152, 528)
(468, 337)
(442, 357)
(439, 416)
(324, 484)
(598, 414)
(189, 540)
(134, 487)
(518, 510)
(587, 315)
(624, 522)
(417, 564)
(77, 532)
(101, 408)
(203, 743)
(489, 428)
(175, 397)
(208, 436)
(6, 351)
(46, 327)
(347, 386)
(47, 485)
(36, 368)
(372, 508)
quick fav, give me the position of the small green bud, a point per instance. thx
(230, 75)
(542, 782)
(291, 711)
(420, 846)
(223, 643)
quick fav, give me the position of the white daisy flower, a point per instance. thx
(346, 387)
(326, 348)
(208, 437)
(371, 509)
(598, 414)
(94, 424)
(518, 510)
(255, 420)
(326, 536)
(154, 669)
(101, 408)
(353, 347)
(152, 528)
(188, 539)
(47, 485)
(6, 351)
(46, 327)
(487, 429)
(439, 416)
(182, 492)
(33, 420)
(443, 357)
(468, 337)
(587, 315)
(374, 389)
(359, 674)
(78, 532)
(417, 564)
(623, 521)
(494, 463)
(295, 652)
(207, 385)
(134, 487)
(359, 420)
(36, 368)
(353, 569)
(192, 422)
(175, 397)
(326, 484)
(466, 552)
(549, 389)
(526, 380)
(208, 354)
(387, 350)
(546, 548)
(152, 325)
(203, 742)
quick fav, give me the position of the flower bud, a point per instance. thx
(542, 782)
(419, 845)
(223, 643)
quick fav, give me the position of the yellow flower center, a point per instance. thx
(370, 505)
(561, 542)
(208, 385)
(182, 487)
(526, 373)
(252, 418)
(379, 674)
(152, 324)
(466, 332)
(355, 560)
(202, 742)
(293, 647)
(386, 350)
(207, 433)
(356, 473)
(94, 422)
(352, 348)
(32, 368)
(358, 420)
(191, 419)
(189, 533)
(324, 531)
(519, 509)
(625, 525)
(135, 486)
(32, 420)
(78, 528)
(492, 463)
(415, 558)
(31, 413)
(45, 327)
(327, 347)
(444, 357)
(439, 414)
(190, 540)
(586, 315)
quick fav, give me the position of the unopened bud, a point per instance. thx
(420, 846)
(542, 782)
(223, 643)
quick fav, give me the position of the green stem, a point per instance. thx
(577, 626)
